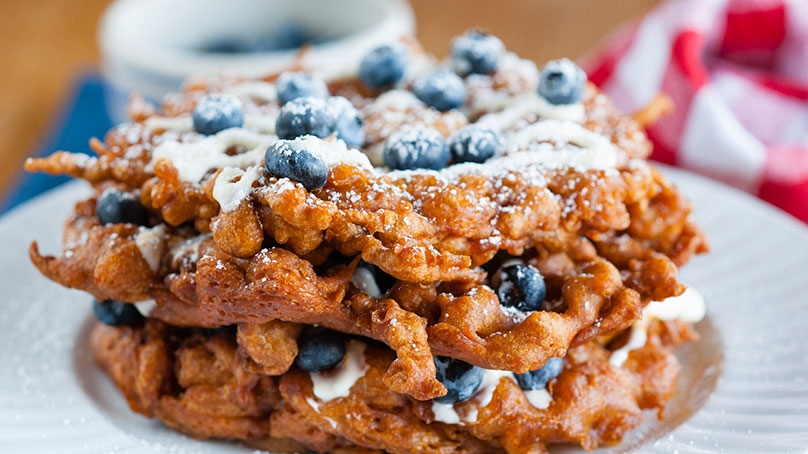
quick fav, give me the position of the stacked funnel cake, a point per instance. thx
(428, 256)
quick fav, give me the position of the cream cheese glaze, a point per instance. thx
(332, 384)
(151, 243)
(446, 413)
(233, 185)
(688, 307)
(195, 159)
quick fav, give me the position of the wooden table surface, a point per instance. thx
(46, 44)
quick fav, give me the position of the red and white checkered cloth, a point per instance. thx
(737, 71)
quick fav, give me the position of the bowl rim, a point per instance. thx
(127, 53)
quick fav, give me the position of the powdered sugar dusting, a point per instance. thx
(333, 151)
(398, 99)
(256, 89)
(183, 123)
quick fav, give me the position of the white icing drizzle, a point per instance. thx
(151, 242)
(234, 185)
(538, 158)
(194, 159)
(398, 99)
(329, 385)
(689, 307)
(255, 89)
(491, 379)
(181, 123)
(264, 124)
(446, 413)
(508, 112)
(363, 280)
(146, 306)
(539, 398)
(562, 133)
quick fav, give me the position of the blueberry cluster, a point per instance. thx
(308, 111)
(310, 115)
(426, 148)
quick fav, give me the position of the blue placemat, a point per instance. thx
(84, 116)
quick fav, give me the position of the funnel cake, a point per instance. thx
(409, 264)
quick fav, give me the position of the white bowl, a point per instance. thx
(150, 46)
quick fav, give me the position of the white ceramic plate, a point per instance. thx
(753, 349)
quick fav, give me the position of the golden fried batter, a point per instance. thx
(240, 261)
(592, 402)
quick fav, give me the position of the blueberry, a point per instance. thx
(293, 85)
(348, 122)
(441, 89)
(521, 286)
(537, 379)
(115, 313)
(384, 66)
(474, 144)
(304, 116)
(119, 207)
(416, 148)
(561, 82)
(461, 379)
(319, 349)
(291, 159)
(215, 113)
(476, 52)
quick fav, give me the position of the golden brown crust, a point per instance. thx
(458, 320)
(593, 402)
